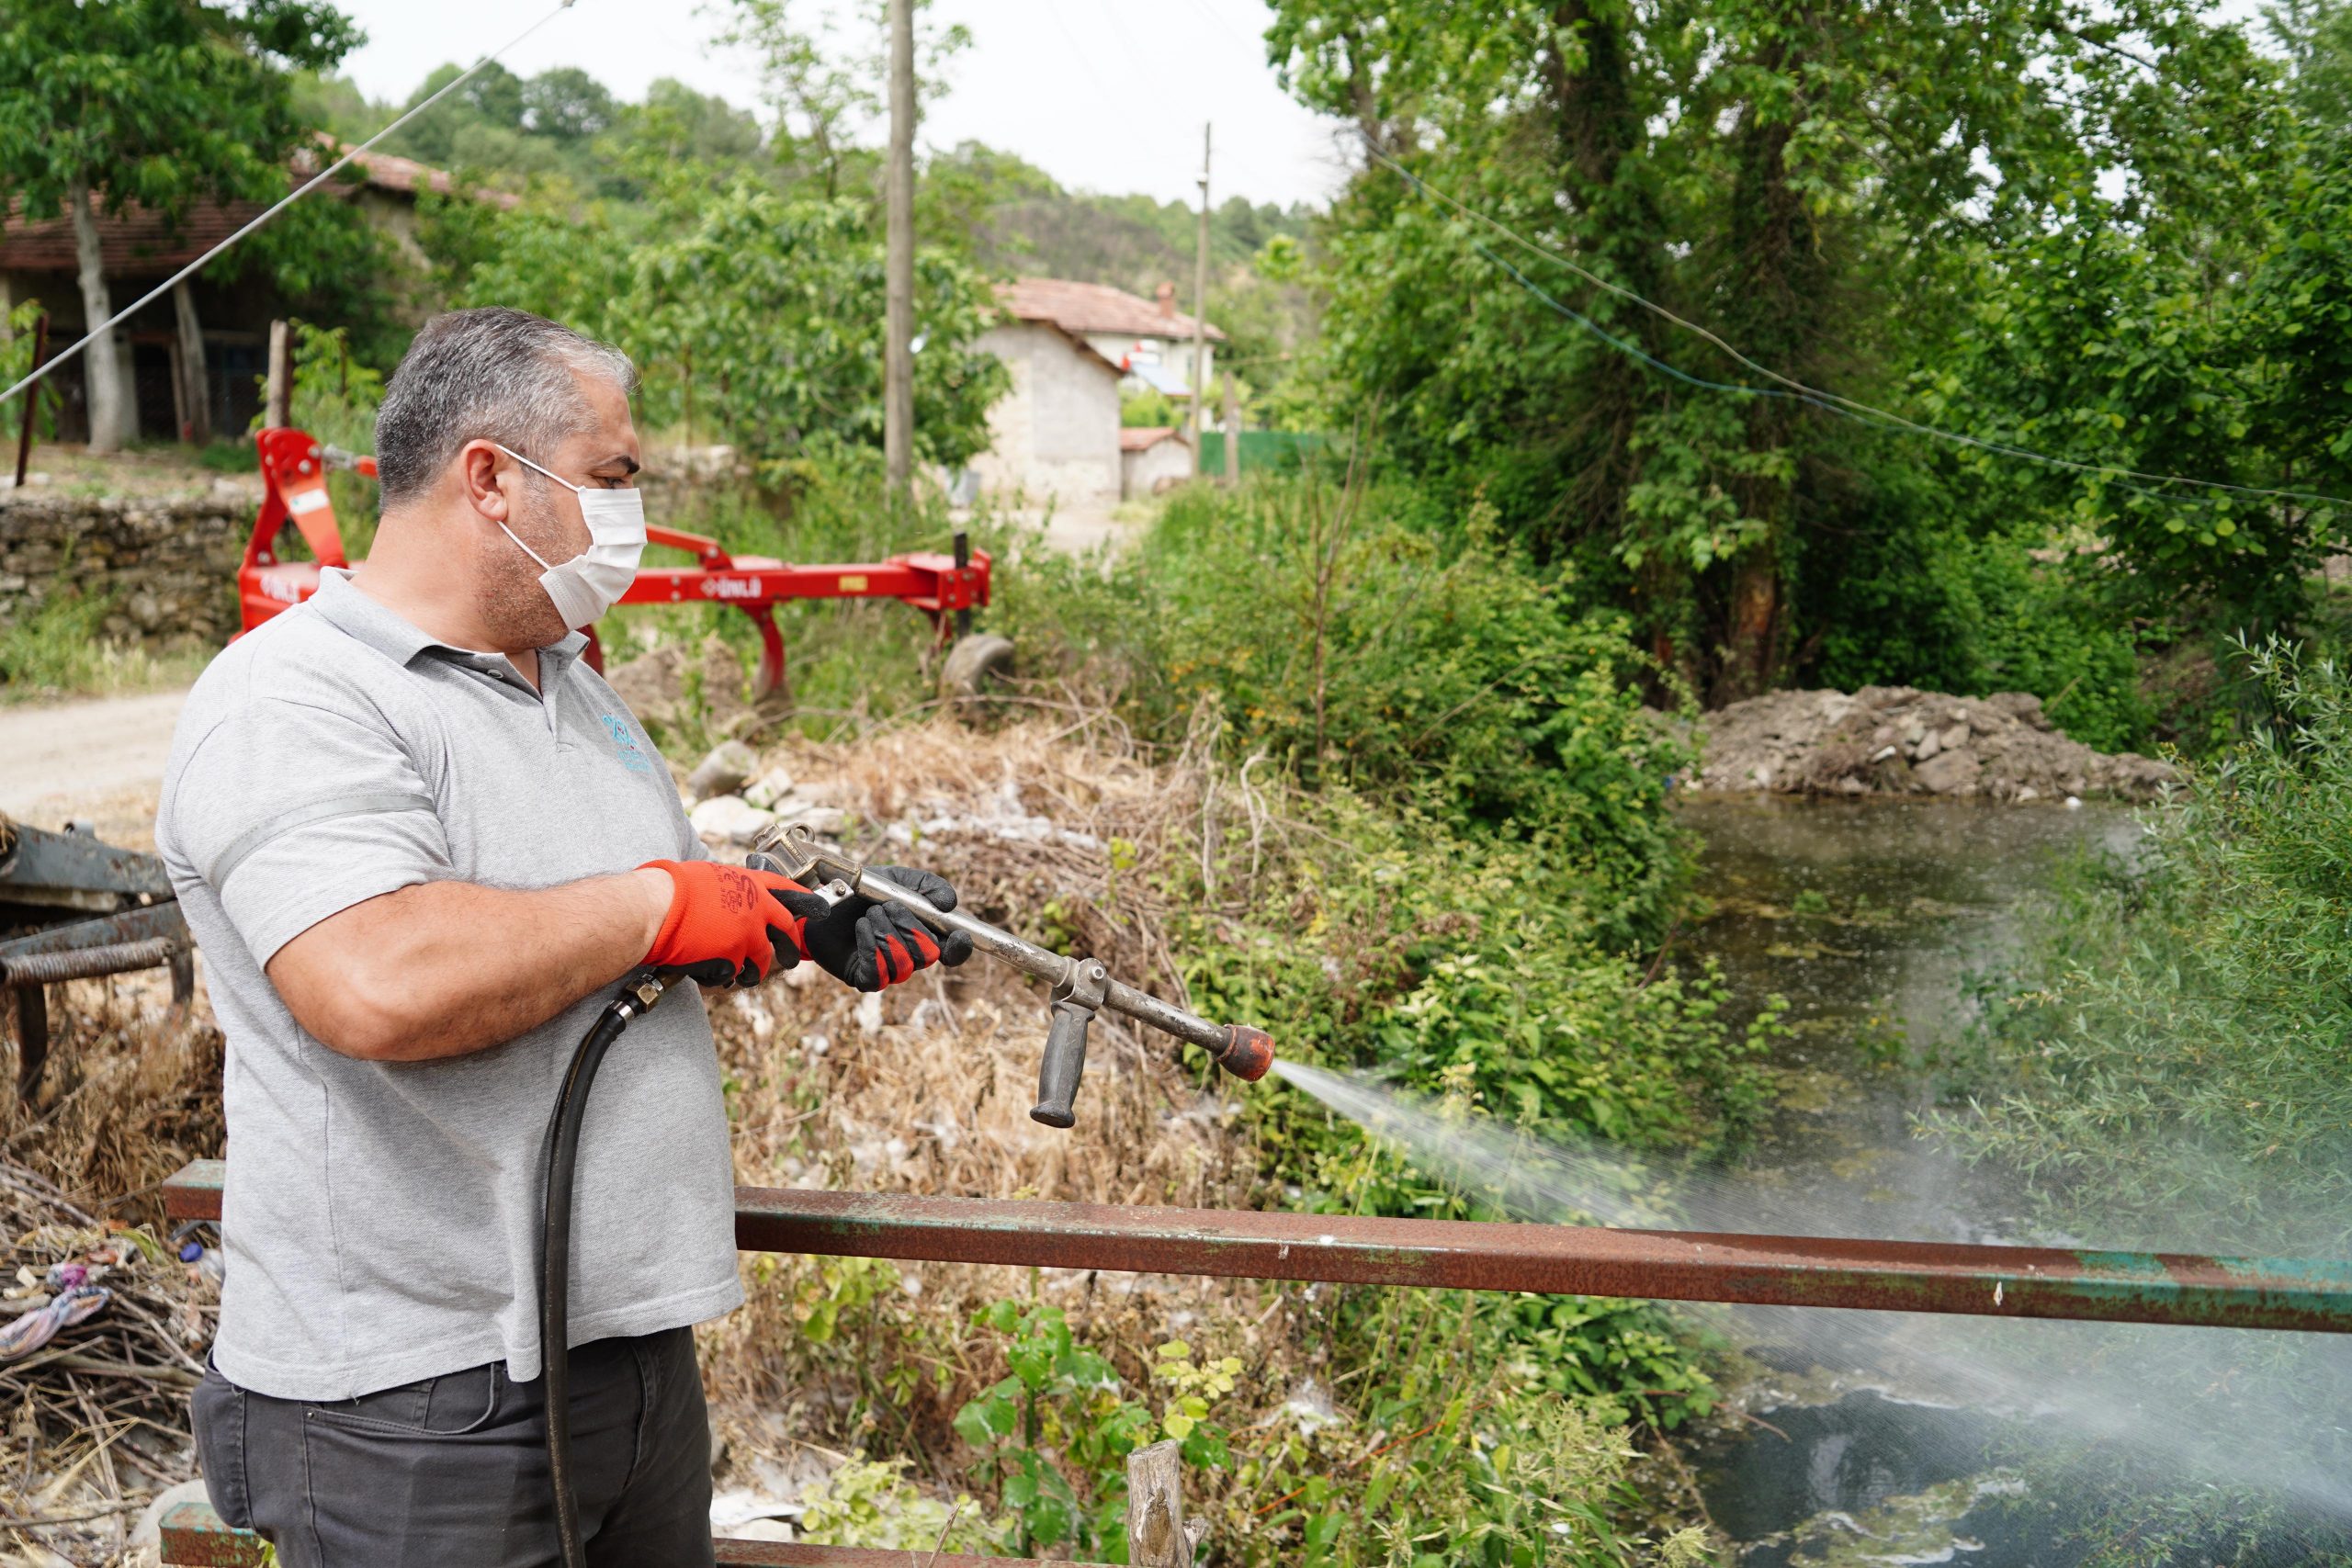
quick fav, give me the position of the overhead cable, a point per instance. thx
(1788, 387)
(291, 197)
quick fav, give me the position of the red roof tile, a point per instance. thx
(1092, 308)
(1144, 438)
(137, 243)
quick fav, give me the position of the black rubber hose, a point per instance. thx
(555, 1263)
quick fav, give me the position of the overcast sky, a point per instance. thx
(1103, 95)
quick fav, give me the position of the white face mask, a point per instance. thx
(592, 582)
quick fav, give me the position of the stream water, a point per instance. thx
(1863, 1438)
(1853, 1437)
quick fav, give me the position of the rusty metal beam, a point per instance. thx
(195, 1536)
(155, 922)
(1988, 1281)
(801, 1554)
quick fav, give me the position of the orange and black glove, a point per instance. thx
(728, 924)
(869, 945)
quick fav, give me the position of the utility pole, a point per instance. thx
(278, 402)
(1232, 433)
(1201, 311)
(899, 272)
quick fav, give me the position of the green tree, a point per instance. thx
(684, 125)
(566, 104)
(153, 102)
(1832, 191)
(2316, 38)
(752, 312)
(825, 84)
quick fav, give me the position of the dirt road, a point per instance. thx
(98, 760)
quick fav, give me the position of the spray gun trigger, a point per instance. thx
(834, 892)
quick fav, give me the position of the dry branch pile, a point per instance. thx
(97, 1418)
(1055, 829)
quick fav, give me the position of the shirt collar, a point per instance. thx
(356, 615)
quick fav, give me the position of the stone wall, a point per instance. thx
(166, 564)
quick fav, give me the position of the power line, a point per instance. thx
(1868, 417)
(312, 184)
(1790, 388)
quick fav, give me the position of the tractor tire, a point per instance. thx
(976, 667)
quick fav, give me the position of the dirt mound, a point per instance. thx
(1898, 740)
(677, 689)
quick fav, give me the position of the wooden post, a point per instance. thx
(195, 387)
(1232, 433)
(1201, 311)
(279, 397)
(1157, 1536)
(32, 399)
(899, 268)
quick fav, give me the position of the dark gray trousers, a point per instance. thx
(451, 1471)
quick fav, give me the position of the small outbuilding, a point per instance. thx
(1152, 458)
(1071, 348)
(193, 359)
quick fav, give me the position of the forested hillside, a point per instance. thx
(562, 138)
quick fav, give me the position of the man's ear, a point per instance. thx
(479, 478)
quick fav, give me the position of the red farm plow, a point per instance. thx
(294, 467)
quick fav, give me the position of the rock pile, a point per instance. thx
(1897, 740)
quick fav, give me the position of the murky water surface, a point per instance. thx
(1869, 918)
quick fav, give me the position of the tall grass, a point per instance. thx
(62, 651)
(2175, 1045)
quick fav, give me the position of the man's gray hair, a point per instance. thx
(492, 374)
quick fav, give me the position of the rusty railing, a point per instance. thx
(1985, 1282)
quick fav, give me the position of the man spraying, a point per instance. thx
(418, 841)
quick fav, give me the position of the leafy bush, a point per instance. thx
(1150, 409)
(1444, 1462)
(1054, 1434)
(871, 1502)
(1449, 678)
(1926, 606)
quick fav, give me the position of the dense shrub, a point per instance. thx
(2176, 1043)
(1442, 675)
(1928, 605)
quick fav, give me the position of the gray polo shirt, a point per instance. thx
(382, 1219)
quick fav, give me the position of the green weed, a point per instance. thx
(61, 649)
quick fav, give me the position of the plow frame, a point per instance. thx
(294, 469)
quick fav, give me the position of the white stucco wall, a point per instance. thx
(1056, 431)
(1175, 354)
(1168, 459)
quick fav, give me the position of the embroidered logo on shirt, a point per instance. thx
(631, 754)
